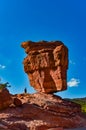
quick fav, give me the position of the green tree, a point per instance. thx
(4, 85)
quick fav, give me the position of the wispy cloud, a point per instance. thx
(73, 82)
(2, 66)
(72, 62)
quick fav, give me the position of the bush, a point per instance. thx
(82, 103)
(4, 85)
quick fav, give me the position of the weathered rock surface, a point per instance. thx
(41, 112)
(46, 65)
(17, 102)
(5, 98)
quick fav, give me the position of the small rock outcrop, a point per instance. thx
(17, 102)
(5, 98)
(46, 65)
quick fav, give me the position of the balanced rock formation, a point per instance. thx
(46, 65)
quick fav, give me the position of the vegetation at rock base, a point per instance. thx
(4, 85)
(82, 102)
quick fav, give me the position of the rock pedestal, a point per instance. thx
(46, 65)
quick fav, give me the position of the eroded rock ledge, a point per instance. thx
(41, 111)
(46, 65)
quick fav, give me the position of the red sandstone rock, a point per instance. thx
(17, 102)
(5, 98)
(46, 65)
(42, 111)
(59, 128)
(17, 126)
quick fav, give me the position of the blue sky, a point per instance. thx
(22, 20)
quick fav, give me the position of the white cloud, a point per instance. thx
(2, 66)
(72, 62)
(73, 82)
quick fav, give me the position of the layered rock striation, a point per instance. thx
(46, 65)
(41, 111)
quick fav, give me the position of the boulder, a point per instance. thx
(5, 98)
(46, 65)
(17, 102)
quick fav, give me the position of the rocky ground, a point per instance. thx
(39, 112)
(81, 128)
